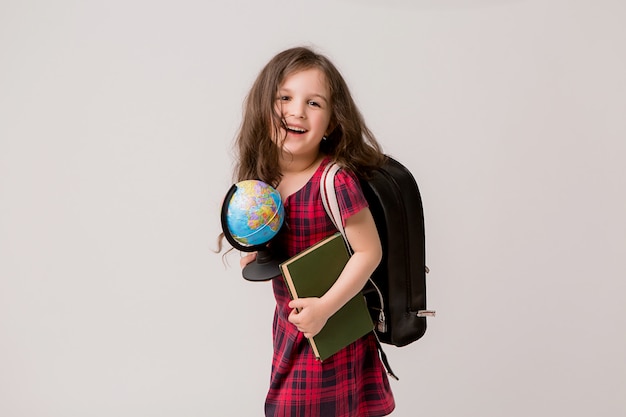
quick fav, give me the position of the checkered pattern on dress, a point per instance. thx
(351, 383)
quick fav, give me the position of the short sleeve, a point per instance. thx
(349, 194)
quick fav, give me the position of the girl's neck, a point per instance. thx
(290, 165)
(296, 173)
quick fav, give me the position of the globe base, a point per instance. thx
(263, 268)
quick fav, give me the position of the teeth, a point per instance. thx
(297, 129)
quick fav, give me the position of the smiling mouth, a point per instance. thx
(296, 130)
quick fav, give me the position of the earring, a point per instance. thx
(324, 138)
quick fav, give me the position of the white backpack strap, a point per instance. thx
(329, 199)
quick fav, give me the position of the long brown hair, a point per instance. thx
(351, 144)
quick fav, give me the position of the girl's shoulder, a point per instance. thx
(348, 189)
(344, 174)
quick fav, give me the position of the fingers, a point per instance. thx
(306, 316)
(293, 317)
(247, 259)
(296, 321)
(297, 303)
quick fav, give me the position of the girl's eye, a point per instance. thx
(283, 98)
(314, 103)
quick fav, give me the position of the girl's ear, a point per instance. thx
(329, 145)
(332, 130)
(332, 126)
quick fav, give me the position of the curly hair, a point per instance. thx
(351, 144)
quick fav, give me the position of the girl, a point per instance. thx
(298, 117)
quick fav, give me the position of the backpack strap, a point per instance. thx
(329, 199)
(383, 358)
(331, 205)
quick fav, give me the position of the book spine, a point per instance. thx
(294, 296)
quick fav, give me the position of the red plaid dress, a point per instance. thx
(351, 383)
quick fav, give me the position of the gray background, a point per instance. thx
(116, 127)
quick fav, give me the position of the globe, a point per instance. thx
(255, 213)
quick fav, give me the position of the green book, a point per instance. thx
(310, 274)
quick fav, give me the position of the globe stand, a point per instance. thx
(265, 266)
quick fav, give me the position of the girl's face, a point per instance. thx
(304, 103)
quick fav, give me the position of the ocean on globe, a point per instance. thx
(255, 213)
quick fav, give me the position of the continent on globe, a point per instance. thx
(255, 213)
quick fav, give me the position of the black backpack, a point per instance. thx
(396, 294)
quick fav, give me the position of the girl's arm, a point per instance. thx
(367, 253)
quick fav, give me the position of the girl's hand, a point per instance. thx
(247, 259)
(311, 318)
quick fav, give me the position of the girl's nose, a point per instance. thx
(297, 110)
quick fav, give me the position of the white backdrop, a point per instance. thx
(116, 128)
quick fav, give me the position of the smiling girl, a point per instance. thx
(299, 116)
